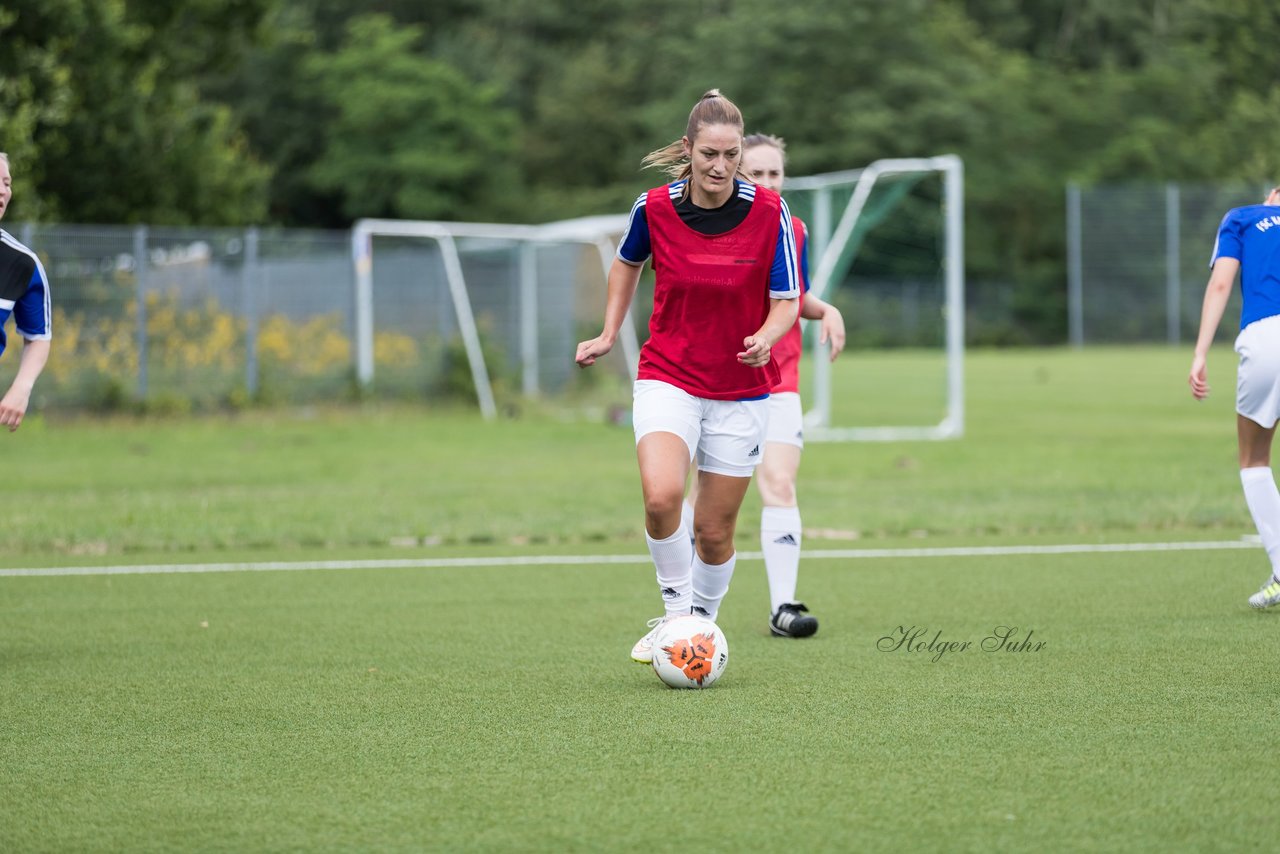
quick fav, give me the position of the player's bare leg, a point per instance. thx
(715, 521)
(780, 540)
(664, 466)
(1263, 499)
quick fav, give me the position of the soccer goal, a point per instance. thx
(458, 308)
(886, 246)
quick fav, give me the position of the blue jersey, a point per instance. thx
(24, 292)
(784, 277)
(1251, 235)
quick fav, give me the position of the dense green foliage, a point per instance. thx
(314, 112)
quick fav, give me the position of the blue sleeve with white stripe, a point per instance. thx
(635, 248)
(1228, 244)
(804, 261)
(784, 278)
(31, 313)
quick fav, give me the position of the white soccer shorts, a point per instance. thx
(786, 419)
(1258, 378)
(725, 436)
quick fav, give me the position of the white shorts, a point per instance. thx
(1258, 378)
(786, 419)
(726, 436)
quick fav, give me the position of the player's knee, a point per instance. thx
(776, 489)
(715, 538)
(662, 508)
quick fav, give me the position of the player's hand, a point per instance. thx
(13, 406)
(832, 330)
(757, 353)
(1198, 379)
(589, 351)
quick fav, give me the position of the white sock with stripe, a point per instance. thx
(672, 558)
(780, 542)
(710, 583)
(1263, 498)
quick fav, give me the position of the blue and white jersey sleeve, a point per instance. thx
(784, 278)
(24, 291)
(804, 260)
(32, 315)
(1229, 243)
(635, 248)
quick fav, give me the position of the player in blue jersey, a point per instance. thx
(1249, 243)
(24, 293)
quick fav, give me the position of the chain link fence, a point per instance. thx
(1138, 256)
(181, 319)
(193, 318)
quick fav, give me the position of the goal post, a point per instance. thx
(508, 267)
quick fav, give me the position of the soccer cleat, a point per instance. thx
(1266, 597)
(790, 621)
(643, 650)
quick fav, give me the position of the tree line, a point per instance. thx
(317, 112)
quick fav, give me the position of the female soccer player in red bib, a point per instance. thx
(764, 162)
(725, 289)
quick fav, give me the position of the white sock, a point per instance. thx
(780, 542)
(710, 583)
(686, 517)
(1264, 504)
(672, 558)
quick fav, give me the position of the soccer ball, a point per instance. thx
(690, 652)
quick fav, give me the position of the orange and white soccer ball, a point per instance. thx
(690, 652)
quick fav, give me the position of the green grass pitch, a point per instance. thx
(494, 707)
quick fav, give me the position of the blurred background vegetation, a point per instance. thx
(316, 112)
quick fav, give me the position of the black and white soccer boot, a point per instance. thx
(792, 621)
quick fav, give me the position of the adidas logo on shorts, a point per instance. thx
(755, 452)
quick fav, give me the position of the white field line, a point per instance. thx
(563, 560)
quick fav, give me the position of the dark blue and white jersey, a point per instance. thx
(804, 259)
(1251, 235)
(784, 279)
(24, 292)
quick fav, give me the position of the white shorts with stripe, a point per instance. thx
(1258, 378)
(725, 436)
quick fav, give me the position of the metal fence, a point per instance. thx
(176, 318)
(193, 317)
(1137, 259)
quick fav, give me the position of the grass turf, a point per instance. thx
(1073, 443)
(494, 708)
(453, 709)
